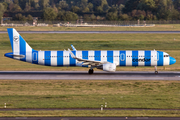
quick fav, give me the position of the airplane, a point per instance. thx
(106, 60)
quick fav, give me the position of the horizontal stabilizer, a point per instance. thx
(19, 56)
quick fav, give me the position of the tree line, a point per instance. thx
(91, 10)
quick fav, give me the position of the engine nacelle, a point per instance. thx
(110, 67)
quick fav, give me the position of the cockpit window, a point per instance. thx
(166, 55)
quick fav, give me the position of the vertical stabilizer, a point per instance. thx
(18, 44)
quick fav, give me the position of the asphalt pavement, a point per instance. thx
(83, 75)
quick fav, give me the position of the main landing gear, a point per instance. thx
(156, 72)
(91, 71)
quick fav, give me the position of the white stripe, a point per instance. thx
(104, 56)
(16, 43)
(166, 59)
(91, 54)
(53, 58)
(66, 58)
(128, 58)
(154, 58)
(141, 56)
(116, 57)
(28, 53)
(79, 55)
(41, 57)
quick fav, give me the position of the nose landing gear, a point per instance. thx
(156, 72)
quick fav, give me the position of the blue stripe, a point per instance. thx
(122, 57)
(85, 56)
(110, 56)
(160, 61)
(10, 33)
(47, 58)
(59, 58)
(147, 58)
(72, 60)
(134, 58)
(22, 48)
(97, 56)
(34, 57)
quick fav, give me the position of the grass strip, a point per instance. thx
(91, 113)
(89, 94)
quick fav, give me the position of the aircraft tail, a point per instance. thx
(18, 44)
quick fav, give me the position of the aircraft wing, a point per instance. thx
(87, 62)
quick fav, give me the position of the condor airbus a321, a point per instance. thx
(106, 60)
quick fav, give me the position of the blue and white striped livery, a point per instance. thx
(106, 60)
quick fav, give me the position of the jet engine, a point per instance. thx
(110, 67)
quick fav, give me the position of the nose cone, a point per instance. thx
(172, 60)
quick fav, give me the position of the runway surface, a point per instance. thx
(90, 118)
(83, 75)
(98, 32)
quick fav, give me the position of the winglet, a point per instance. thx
(72, 55)
(73, 48)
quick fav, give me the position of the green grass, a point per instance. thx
(163, 42)
(98, 41)
(158, 27)
(89, 94)
(91, 113)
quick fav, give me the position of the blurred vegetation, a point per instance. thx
(89, 10)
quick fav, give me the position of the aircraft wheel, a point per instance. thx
(156, 72)
(91, 71)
